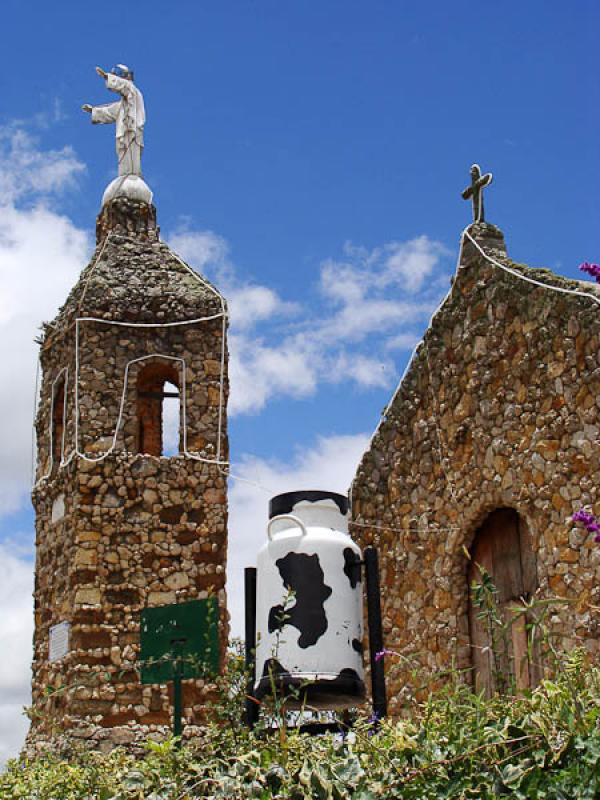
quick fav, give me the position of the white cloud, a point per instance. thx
(353, 323)
(260, 371)
(376, 290)
(16, 631)
(203, 249)
(411, 264)
(403, 341)
(365, 371)
(251, 304)
(26, 170)
(248, 303)
(405, 265)
(329, 465)
(41, 255)
(369, 304)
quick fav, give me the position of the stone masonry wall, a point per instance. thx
(136, 532)
(500, 408)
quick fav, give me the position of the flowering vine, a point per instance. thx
(591, 269)
(589, 521)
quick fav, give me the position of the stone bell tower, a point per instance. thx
(120, 525)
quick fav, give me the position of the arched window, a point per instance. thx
(58, 423)
(158, 409)
(500, 655)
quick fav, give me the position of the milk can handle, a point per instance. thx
(292, 518)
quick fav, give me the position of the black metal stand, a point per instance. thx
(378, 691)
(177, 693)
(252, 708)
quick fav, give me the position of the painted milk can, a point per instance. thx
(309, 603)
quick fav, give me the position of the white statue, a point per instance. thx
(129, 116)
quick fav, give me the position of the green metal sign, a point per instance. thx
(179, 641)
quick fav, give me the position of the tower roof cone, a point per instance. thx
(133, 276)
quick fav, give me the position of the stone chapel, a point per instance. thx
(489, 445)
(120, 523)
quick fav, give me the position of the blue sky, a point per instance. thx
(291, 128)
(309, 157)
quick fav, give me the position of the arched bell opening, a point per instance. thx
(158, 409)
(503, 657)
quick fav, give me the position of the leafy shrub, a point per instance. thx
(545, 744)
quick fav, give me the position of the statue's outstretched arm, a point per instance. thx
(105, 113)
(102, 115)
(121, 86)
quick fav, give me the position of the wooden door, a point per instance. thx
(502, 547)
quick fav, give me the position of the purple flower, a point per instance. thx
(588, 520)
(593, 527)
(382, 653)
(597, 538)
(374, 721)
(591, 269)
(585, 517)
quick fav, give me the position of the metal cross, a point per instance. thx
(475, 191)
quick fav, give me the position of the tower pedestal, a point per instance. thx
(133, 187)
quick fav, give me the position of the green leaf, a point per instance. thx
(512, 774)
(320, 785)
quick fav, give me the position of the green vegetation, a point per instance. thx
(543, 743)
(455, 745)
